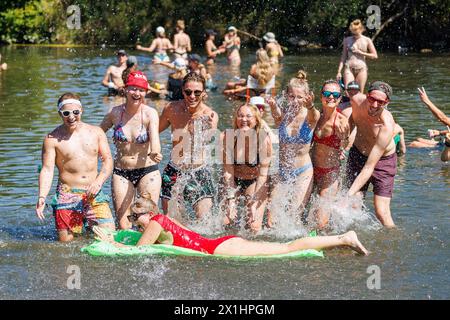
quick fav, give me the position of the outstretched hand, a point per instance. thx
(103, 235)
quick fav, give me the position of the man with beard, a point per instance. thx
(188, 118)
(74, 147)
(372, 158)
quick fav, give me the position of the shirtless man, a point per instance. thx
(182, 117)
(113, 76)
(160, 45)
(372, 158)
(181, 42)
(74, 147)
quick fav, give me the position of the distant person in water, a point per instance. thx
(355, 50)
(181, 42)
(373, 158)
(160, 45)
(75, 148)
(3, 66)
(211, 50)
(273, 48)
(190, 120)
(232, 44)
(113, 76)
(159, 228)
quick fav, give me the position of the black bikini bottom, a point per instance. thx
(135, 175)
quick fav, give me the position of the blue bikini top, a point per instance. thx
(304, 136)
(119, 135)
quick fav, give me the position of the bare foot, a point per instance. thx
(351, 239)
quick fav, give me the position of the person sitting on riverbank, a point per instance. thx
(246, 166)
(355, 50)
(175, 79)
(136, 138)
(75, 147)
(262, 71)
(372, 158)
(113, 76)
(160, 44)
(3, 66)
(159, 228)
(181, 42)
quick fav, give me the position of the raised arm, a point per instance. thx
(275, 111)
(46, 175)
(435, 110)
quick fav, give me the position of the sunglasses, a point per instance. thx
(197, 93)
(327, 94)
(67, 113)
(379, 102)
(135, 216)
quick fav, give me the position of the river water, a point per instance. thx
(413, 259)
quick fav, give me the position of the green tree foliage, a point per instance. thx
(419, 23)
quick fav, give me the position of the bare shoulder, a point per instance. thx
(150, 111)
(90, 129)
(357, 99)
(53, 136)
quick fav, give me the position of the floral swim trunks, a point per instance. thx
(72, 209)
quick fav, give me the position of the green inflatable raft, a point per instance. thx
(129, 237)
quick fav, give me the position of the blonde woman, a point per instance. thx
(246, 165)
(356, 49)
(296, 122)
(262, 71)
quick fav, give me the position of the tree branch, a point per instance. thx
(389, 21)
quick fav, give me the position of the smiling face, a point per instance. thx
(296, 96)
(246, 118)
(135, 95)
(376, 100)
(331, 101)
(193, 92)
(69, 115)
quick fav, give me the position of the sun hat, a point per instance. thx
(179, 63)
(137, 79)
(121, 52)
(160, 30)
(210, 32)
(232, 28)
(269, 37)
(194, 57)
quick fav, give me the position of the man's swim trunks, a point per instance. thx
(72, 208)
(197, 183)
(382, 177)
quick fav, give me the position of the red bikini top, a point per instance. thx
(332, 141)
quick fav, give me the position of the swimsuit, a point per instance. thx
(304, 136)
(382, 177)
(332, 141)
(119, 135)
(135, 175)
(72, 209)
(189, 239)
(161, 56)
(198, 184)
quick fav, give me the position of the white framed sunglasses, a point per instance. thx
(67, 113)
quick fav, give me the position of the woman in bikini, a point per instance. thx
(136, 137)
(160, 44)
(246, 166)
(181, 42)
(296, 122)
(159, 228)
(354, 53)
(232, 44)
(211, 50)
(330, 137)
